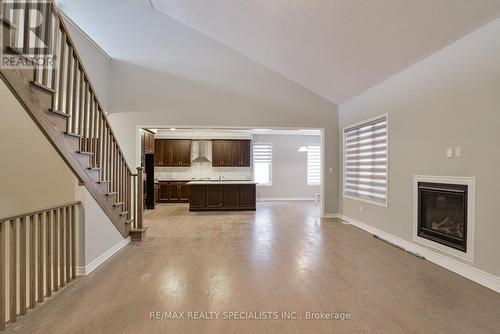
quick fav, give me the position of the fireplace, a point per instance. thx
(442, 214)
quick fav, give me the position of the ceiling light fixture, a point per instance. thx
(172, 129)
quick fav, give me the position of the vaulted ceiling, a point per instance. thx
(335, 48)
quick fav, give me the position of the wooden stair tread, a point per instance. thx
(118, 204)
(19, 53)
(42, 87)
(59, 113)
(94, 168)
(71, 134)
(15, 50)
(124, 213)
(84, 152)
(112, 193)
(103, 181)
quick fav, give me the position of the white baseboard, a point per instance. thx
(285, 199)
(83, 271)
(331, 216)
(481, 277)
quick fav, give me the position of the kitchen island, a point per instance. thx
(222, 196)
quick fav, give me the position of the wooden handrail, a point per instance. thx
(33, 213)
(87, 77)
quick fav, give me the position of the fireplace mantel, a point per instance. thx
(470, 182)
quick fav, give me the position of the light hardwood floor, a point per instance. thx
(280, 258)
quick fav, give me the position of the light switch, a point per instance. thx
(449, 153)
(458, 152)
(330, 170)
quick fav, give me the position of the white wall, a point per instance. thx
(450, 99)
(289, 177)
(97, 233)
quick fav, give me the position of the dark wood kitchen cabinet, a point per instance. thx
(247, 195)
(173, 152)
(231, 153)
(147, 144)
(221, 153)
(214, 196)
(184, 192)
(173, 192)
(244, 156)
(198, 197)
(157, 192)
(231, 195)
(163, 194)
(158, 151)
(223, 197)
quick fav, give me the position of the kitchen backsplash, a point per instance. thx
(202, 171)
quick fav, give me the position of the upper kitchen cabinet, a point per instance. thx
(150, 142)
(147, 142)
(244, 158)
(231, 153)
(221, 153)
(173, 152)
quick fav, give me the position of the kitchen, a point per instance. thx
(210, 170)
(230, 169)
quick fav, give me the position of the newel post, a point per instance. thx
(138, 233)
(140, 195)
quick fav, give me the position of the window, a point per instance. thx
(313, 165)
(263, 161)
(365, 161)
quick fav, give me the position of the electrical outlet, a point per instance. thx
(360, 208)
(330, 170)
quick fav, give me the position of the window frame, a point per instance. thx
(270, 184)
(344, 151)
(307, 165)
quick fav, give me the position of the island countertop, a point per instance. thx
(205, 182)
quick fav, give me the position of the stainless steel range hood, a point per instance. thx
(203, 151)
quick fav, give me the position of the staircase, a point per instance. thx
(61, 100)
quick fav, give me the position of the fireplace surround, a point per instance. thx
(444, 214)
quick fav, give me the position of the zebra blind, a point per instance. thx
(313, 165)
(366, 156)
(263, 160)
